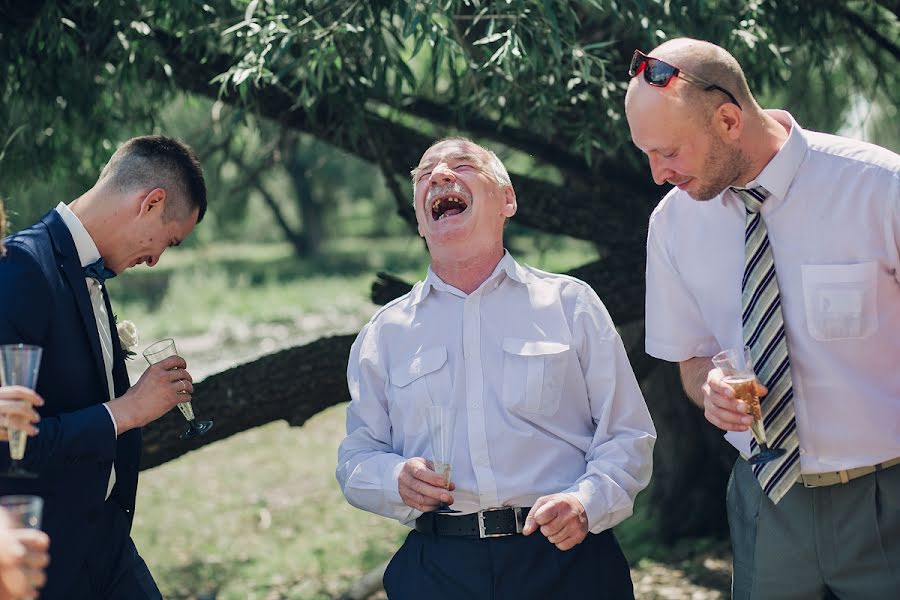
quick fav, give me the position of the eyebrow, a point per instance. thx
(457, 157)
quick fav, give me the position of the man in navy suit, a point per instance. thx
(149, 196)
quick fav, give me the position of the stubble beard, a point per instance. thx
(723, 166)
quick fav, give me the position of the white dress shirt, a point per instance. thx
(88, 254)
(833, 220)
(546, 398)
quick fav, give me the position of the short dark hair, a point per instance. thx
(157, 161)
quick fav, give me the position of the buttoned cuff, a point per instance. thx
(597, 507)
(390, 481)
(391, 491)
(113, 419)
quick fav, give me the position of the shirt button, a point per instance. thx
(475, 406)
(802, 451)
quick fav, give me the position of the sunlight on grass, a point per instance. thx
(259, 515)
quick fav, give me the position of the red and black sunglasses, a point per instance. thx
(659, 73)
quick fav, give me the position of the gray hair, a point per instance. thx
(495, 166)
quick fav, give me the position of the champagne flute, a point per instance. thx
(19, 364)
(737, 367)
(164, 349)
(24, 511)
(441, 424)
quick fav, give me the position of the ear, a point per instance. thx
(155, 199)
(509, 202)
(729, 121)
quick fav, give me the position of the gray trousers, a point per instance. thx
(840, 541)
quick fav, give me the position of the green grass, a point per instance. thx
(259, 515)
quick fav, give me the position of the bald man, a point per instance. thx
(786, 241)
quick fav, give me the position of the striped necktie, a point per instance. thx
(763, 328)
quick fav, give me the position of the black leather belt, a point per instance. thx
(487, 523)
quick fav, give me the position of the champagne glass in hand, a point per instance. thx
(21, 513)
(737, 368)
(19, 364)
(164, 349)
(441, 423)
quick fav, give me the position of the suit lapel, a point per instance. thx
(120, 373)
(70, 265)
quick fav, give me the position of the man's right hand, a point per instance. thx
(420, 487)
(160, 388)
(16, 413)
(721, 408)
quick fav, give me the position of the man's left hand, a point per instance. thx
(561, 518)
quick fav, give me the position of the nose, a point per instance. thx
(660, 172)
(152, 260)
(442, 174)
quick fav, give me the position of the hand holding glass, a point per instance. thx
(161, 350)
(441, 425)
(737, 368)
(19, 365)
(25, 512)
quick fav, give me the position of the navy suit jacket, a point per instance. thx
(44, 301)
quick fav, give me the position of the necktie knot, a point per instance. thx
(753, 197)
(97, 270)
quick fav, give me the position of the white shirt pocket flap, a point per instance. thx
(427, 361)
(533, 347)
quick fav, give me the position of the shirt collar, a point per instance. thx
(507, 267)
(84, 243)
(779, 173)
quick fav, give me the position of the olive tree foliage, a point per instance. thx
(541, 80)
(542, 76)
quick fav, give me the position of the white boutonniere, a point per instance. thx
(128, 337)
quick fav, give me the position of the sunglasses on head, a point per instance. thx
(659, 73)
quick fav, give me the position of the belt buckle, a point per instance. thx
(517, 513)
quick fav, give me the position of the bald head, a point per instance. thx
(704, 60)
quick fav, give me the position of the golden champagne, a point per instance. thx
(444, 470)
(17, 440)
(745, 390)
(187, 410)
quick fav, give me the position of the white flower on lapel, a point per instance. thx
(128, 337)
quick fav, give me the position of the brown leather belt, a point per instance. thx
(845, 476)
(487, 523)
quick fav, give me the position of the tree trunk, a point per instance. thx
(293, 385)
(610, 209)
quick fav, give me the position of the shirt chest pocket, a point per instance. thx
(840, 300)
(534, 374)
(420, 381)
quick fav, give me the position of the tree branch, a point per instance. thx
(293, 385)
(570, 209)
(873, 34)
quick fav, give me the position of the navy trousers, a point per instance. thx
(507, 568)
(113, 569)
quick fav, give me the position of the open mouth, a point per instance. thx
(447, 206)
(447, 201)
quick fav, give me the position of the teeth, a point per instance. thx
(437, 202)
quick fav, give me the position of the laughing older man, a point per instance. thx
(552, 441)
